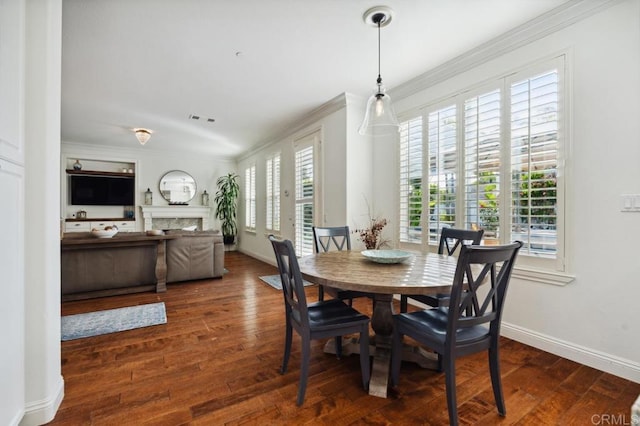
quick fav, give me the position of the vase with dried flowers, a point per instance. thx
(371, 235)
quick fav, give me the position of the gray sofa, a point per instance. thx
(97, 272)
(195, 255)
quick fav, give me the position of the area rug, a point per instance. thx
(274, 281)
(112, 320)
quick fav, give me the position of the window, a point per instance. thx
(273, 193)
(443, 170)
(534, 162)
(250, 198)
(493, 163)
(482, 162)
(411, 180)
(304, 187)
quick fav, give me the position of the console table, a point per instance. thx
(125, 263)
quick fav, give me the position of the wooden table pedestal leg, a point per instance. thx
(161, 267)
(380, 348)
(382, 324)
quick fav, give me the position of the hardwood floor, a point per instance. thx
(217, 360)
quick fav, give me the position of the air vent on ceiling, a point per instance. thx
(197, 117)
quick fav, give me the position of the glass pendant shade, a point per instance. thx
(380, 118)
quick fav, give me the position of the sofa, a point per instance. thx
(103, 270)
(194, 255)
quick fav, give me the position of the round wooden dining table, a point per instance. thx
(350, 270)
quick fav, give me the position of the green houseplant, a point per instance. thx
(226, 205)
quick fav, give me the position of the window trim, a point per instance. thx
(250, 203)
(275, 193)
(309, 139)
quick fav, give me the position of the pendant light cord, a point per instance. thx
(379, 77)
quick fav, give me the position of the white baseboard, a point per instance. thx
(617, 366)
(43, 411)
(271, 260)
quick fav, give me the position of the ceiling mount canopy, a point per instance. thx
(379, 117)
(378, 14)
(143, 135)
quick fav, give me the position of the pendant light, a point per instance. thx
(379, 119)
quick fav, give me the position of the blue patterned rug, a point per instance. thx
(274, 281)
(112, 320)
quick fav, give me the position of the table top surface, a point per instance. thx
(350, 270)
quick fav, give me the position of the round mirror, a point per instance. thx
(177, 187)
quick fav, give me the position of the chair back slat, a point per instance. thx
(480, 285)
(452, 238)
(331, 238)
(295, 299)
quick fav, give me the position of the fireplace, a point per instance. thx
(176, 217)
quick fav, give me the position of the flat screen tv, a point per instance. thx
(102, 190)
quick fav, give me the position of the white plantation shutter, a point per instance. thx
(304, 188)
(534, 162)
(500, 169)
(273, 193)
(250, 197)
(443, 170)
(411, 188)
(482, 133)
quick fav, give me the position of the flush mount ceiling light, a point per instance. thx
(379, 117)
(143, 135)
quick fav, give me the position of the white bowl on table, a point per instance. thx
(386, 256)
(104, 233)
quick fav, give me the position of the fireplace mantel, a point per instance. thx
(175, 212)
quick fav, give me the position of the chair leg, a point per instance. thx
(450, 379)
(439, 363)
(304, 368)
(338, 340)
(364, 357)
(320, 293)
(396, 357)
(496, 381)
(403, 303)
(287, 348)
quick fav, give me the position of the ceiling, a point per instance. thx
(254, 66)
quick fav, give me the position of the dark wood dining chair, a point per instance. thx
(320, 320)
(471, 322)
(334, 238)
(451, 239)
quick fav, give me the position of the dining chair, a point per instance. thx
(334, 238)
(319, 320)
(471, 322)
(450, 240)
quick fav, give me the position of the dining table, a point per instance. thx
(417, 273)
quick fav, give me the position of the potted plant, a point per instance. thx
(226, 207)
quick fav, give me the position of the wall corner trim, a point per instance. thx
(43, 411)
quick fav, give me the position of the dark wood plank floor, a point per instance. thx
(216, 362)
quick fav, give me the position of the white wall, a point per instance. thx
(344, 181)
(594, 318)
(43, 382)
(12, 188)
(150, 166)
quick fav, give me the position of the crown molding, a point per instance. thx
(535, 29)
(336, 104)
